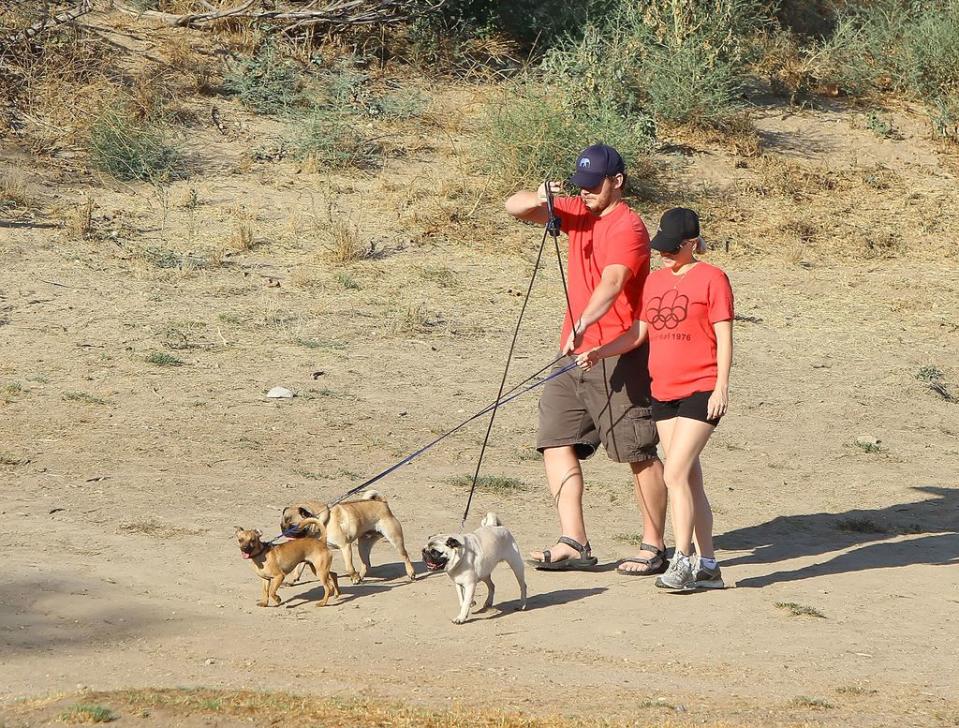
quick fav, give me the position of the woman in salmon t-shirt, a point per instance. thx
(687, 314)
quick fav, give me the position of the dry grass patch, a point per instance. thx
(156, 529)
(83, 397)
(502, 484)
(737, 134)
(804, 701)
(284, 708)
(78, 223)
(419, 319)
(8, 458)
(162, 359)
(784, 178)
(87, 714)
(346, 245)
(800, 610)
(14, 191)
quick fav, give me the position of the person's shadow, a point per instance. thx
(789, 537)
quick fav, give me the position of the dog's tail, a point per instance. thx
(373, 495)
(314, 527)
(491, 520)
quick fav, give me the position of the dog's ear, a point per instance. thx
(259, 533)
(237, 529)
(453, 543)
(305, 513)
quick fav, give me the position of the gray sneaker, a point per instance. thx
(679, 575)
(704, 578)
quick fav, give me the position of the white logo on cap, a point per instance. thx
(584, 163)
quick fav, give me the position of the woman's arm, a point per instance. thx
(627, 341)
(719, 399)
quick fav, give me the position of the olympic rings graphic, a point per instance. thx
(667, 311)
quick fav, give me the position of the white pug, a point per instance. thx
(469, 558)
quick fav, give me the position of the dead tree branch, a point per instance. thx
(336, 13)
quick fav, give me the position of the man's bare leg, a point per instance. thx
(651, 496)
(565, 479)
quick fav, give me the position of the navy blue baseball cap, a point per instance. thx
(594, 164)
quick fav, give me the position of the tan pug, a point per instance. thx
(363, 521)
(469, 558)
(272, 562)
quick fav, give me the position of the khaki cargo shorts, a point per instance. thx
(609, 404)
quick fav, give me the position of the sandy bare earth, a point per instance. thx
(122, 480)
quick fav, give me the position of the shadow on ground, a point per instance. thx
(875, 532)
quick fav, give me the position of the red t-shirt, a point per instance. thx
(681, 311)
(619, 237)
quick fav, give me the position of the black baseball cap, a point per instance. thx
(595, 164)
(675, 226)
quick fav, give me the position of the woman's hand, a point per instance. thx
(718, 403)
(587, 359)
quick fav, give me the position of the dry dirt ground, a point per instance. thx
(122, 479)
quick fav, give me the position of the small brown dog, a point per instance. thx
(364, 522)
(272, 562)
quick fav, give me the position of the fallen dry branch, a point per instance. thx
(285, 19)
(49, 20)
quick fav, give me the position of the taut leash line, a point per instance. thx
(499, 394)
(512, 394)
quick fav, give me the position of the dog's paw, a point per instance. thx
(457, 620)
(355, 578)
(261, 604)
(520, 608)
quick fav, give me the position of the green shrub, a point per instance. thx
(162, 359)
(537, 131)
(266, 82)
(405, 104)
(130, 149)
(928, 57)
(693, 86)
(682, 60)
(909, 47)
(88, 714)
(333, 140)
(342, 86)
(471, 37)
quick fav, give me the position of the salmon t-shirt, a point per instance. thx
(620, 237)
(681, 311)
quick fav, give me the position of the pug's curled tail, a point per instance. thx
(373, 495)
(491, 520)
(314, 527)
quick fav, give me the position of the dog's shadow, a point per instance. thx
(554, 598)
(378, 579)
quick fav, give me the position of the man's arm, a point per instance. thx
(627, 341)
(611, 284)
(531, 206)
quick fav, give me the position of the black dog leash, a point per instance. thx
(509, 396)
(552, 228)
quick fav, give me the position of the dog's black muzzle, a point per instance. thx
(434, 560)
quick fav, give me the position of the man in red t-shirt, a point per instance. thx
(608, 265)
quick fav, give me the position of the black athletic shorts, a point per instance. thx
(695, 407)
